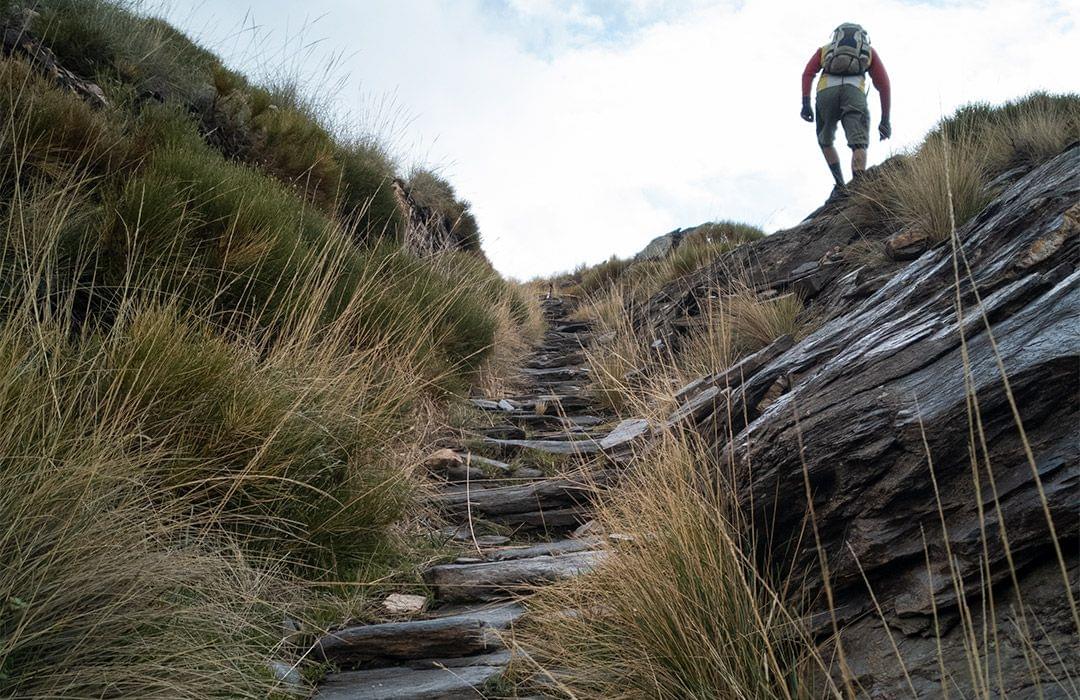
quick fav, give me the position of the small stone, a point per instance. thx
(443, 459)
(287, 674)
(404, 603)
(492, 540)
(627, 431)
(620, 537)
(588, 529)
(906, 245)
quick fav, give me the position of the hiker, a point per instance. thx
(841, 96)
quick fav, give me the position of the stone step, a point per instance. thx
(505, 431)
(551, 522)
(556, 374)
(573, 327)
(493, 580)
(556, 548)
(404, 683)
(472, 631)
(554, 447)
(555, 359)
(545, 494)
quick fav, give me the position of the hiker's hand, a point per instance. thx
(807, 113)
(884, 129)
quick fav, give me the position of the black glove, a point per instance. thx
(884, 129)
(807, 113)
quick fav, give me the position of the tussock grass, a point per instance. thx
(678, 610)
(453, 213)
(977, 144)
(632, 377)
(600, 277)
(707, 242)
(643, 278)
(917, 194)
(1018, 133)
(756, 322)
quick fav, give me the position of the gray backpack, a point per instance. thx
(849, 51)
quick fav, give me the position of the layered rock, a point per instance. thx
(933, 419)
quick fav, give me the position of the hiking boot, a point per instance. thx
(838, 193)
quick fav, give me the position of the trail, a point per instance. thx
(506, 498)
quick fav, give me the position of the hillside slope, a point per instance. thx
(926, 402)
(230, 331)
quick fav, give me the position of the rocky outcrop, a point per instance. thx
(19, 41)
(933, 421)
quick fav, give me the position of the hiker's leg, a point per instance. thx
(858, 161)
(832, 157)
(856, 121)
(828, 115)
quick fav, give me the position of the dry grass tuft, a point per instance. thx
(917, 195)
(679, 609)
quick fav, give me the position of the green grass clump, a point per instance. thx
(103, 595)
(600, 277)
(366, 199)
(274, 129)
(111, 43)
(50, 132)
(448, 211)
(705, 243)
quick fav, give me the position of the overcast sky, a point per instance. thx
(580, 129)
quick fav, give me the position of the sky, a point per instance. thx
(581, 129)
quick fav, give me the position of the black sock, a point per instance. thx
(837, 174)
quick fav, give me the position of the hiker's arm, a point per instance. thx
(881, 81)
(812, 67)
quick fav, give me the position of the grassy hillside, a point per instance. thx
(220, 363)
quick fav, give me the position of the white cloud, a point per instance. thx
(594, 147)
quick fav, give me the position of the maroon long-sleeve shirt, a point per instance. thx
(877, 72)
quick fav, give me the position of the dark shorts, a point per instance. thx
(843, 104)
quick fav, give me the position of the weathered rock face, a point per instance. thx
(897, 419)
(660, 247)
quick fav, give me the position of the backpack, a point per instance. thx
(849, 51)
